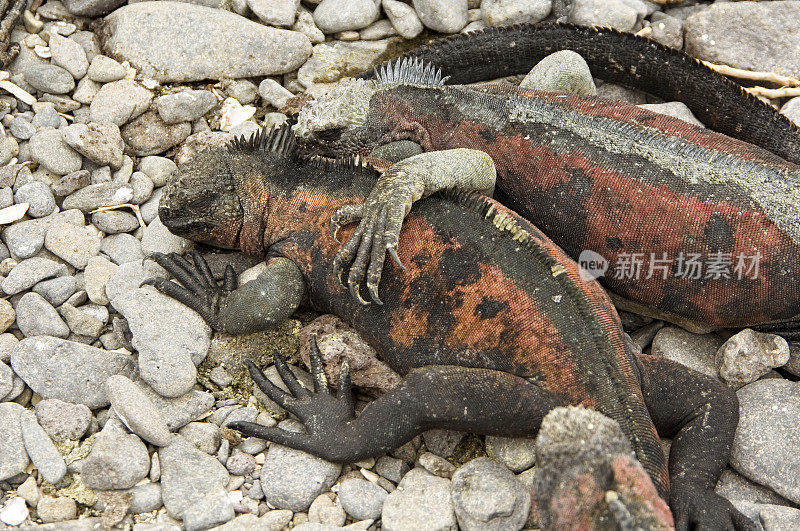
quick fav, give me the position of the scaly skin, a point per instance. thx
(491, 324)
(591, 173)
(10, 12)
(622, 58)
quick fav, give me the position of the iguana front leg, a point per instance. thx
(381, 215)
(701, 415)
(262, 303)
(434, 396)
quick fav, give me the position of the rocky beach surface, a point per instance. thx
(114, 398)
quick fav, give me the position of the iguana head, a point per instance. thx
(347, 120)
(335, 124)
(200, 201)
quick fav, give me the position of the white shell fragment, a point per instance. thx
(13, 213)
(234, 113)
(17, 92)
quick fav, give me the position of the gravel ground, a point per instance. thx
(114, 398)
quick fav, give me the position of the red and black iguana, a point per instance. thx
(491, 325)
(640, 189)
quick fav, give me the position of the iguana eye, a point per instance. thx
(330, 135)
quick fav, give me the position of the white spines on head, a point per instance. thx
(411, 71)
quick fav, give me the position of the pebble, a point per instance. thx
(442, 442)
(157, 238)
(170, 338)
(57, 290)
(200, 47)
(423, 502)
(487, 495)
(6, 380)
(99, 142)
(85, 93)
(82, 369)
(149, 135)
(178, 412)
(503, 12)
(332, 16)
(56, 509)
(46, 116)
(49, 78)
(13, 458)
(304, 23)
(273, 93)
(213, 509)
(119, 102)
(9, 148)
(73, 244)
(563, 71)
(332, 60)
(240, 464)
(749, 355)
(7, 344)
(21, 128)
(718, 34)
(121, 248)
(118, 460)
(63, 420)
(26, 238)
(186, 106)
(97, 195)
(98, 271)
(115, 221)
(438, 466)
(444, 16)
(30, 272)
(695, 351)
(391, 468)
(253, 445)
(188, 475)
(361, 499)
(47, 147)
(615, 14)
(70, 183)
(14, 512)
(105, 70)
(292, 479)
(157, 168)
(29, 491)
(38, 196)
(36, 316)
(204, 435)
(517, 454)
(275, 12)
(41, 450)
(136, 411)
(766, 447)
(324, 511)
(224, 451)
(403, 18)
(92, 8)
(69, 55)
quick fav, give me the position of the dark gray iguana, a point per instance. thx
(491, 325)
(644, 190)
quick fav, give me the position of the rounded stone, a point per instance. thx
(39, 196)
(136, 411)
(51, 79)
(47, 147)
(361, 499)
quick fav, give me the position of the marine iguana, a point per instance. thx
(10, 12)
(492, 325)
(646, 192)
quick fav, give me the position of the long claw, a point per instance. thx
(288, 377)
(317, 367)
(275, 393)
(269, 433)
(393, 253)
(345, 386)
(204, 272)
(229, 280)
(345, 254)
(356, 294)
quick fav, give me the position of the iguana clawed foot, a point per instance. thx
(381, 218)
(199, 291)
(698, 508)
(322, 412)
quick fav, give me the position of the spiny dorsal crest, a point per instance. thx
(412, 71)
(278, 139)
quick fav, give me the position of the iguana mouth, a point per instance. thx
(408, 131)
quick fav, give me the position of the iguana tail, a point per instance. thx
(622, 58)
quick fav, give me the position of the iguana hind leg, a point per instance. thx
(434, 396)
(10, 11)
(701, 415)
